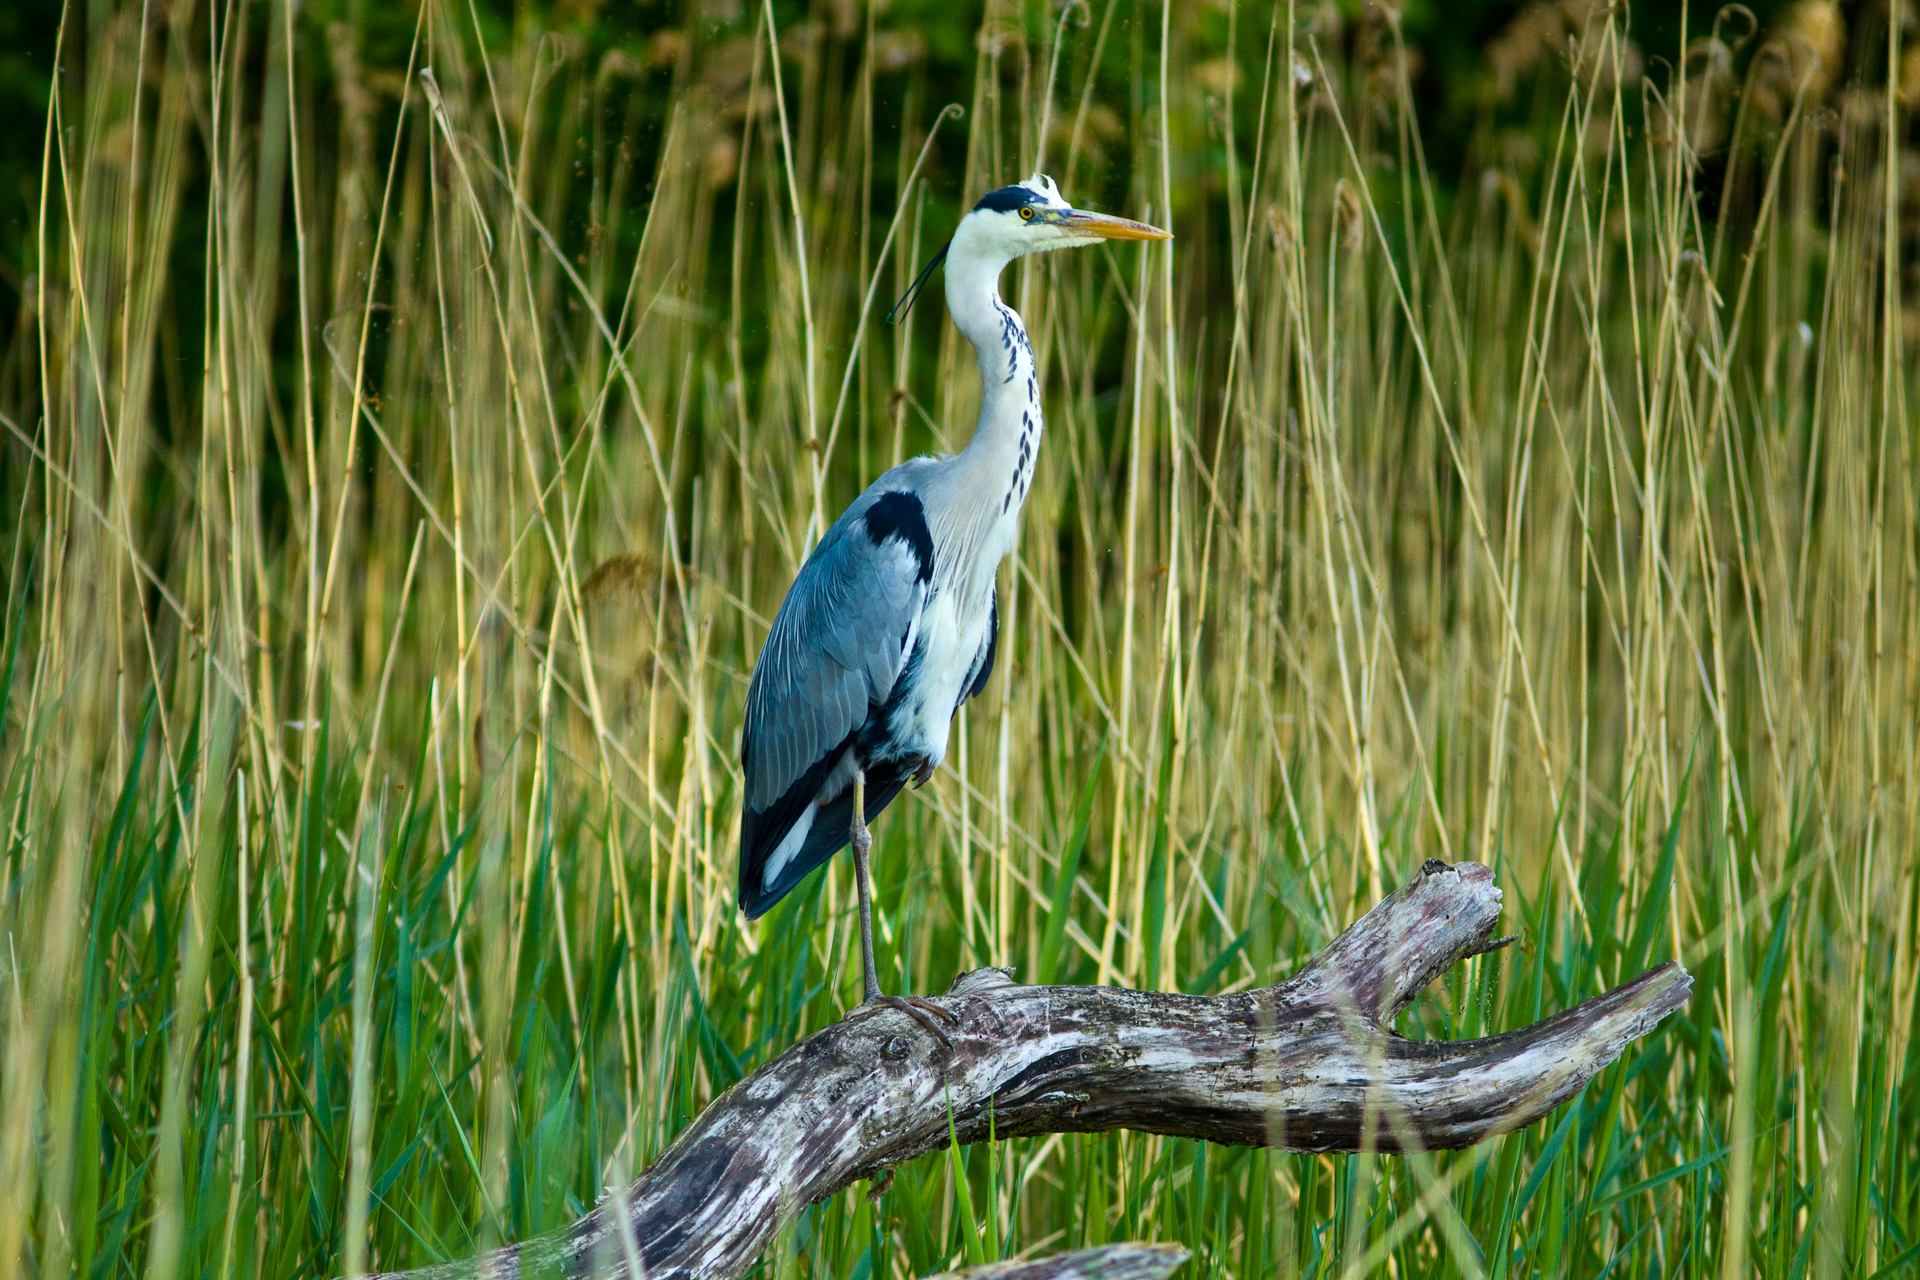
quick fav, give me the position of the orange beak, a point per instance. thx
(1109, 227)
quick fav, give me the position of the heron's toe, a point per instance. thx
(939, 1011)
(916, 1008)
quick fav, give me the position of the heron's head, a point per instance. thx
(1030, 216)
(1024, 218)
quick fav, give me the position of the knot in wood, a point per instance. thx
(976, 982)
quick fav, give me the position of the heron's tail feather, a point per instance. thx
(827, 829)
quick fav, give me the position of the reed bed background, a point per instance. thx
(412, 420)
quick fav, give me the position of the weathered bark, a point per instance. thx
(1107, 1262)
(1311, 1064)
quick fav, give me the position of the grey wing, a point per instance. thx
(838, 644)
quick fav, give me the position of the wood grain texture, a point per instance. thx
(1311, 1064)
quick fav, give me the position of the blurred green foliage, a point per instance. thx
(1455, 89)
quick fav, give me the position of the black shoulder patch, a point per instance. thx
(900, 515)
(1007, 199)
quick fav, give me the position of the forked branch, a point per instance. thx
(1311, 1064)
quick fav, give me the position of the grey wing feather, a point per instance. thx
(837, 645)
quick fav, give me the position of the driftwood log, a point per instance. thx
(1311, 1064)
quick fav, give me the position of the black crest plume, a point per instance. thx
(905, 304)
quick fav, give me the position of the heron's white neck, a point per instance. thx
(1006, 442)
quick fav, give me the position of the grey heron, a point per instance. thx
(891, 623)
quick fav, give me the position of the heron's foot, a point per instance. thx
(921, 1010)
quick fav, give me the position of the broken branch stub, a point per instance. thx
(1311, 1064)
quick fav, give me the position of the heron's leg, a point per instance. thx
(862, 845)
(913, 1006)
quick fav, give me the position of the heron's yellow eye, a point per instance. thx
(1026, 213)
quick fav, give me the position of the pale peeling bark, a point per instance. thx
(1311, 1064)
